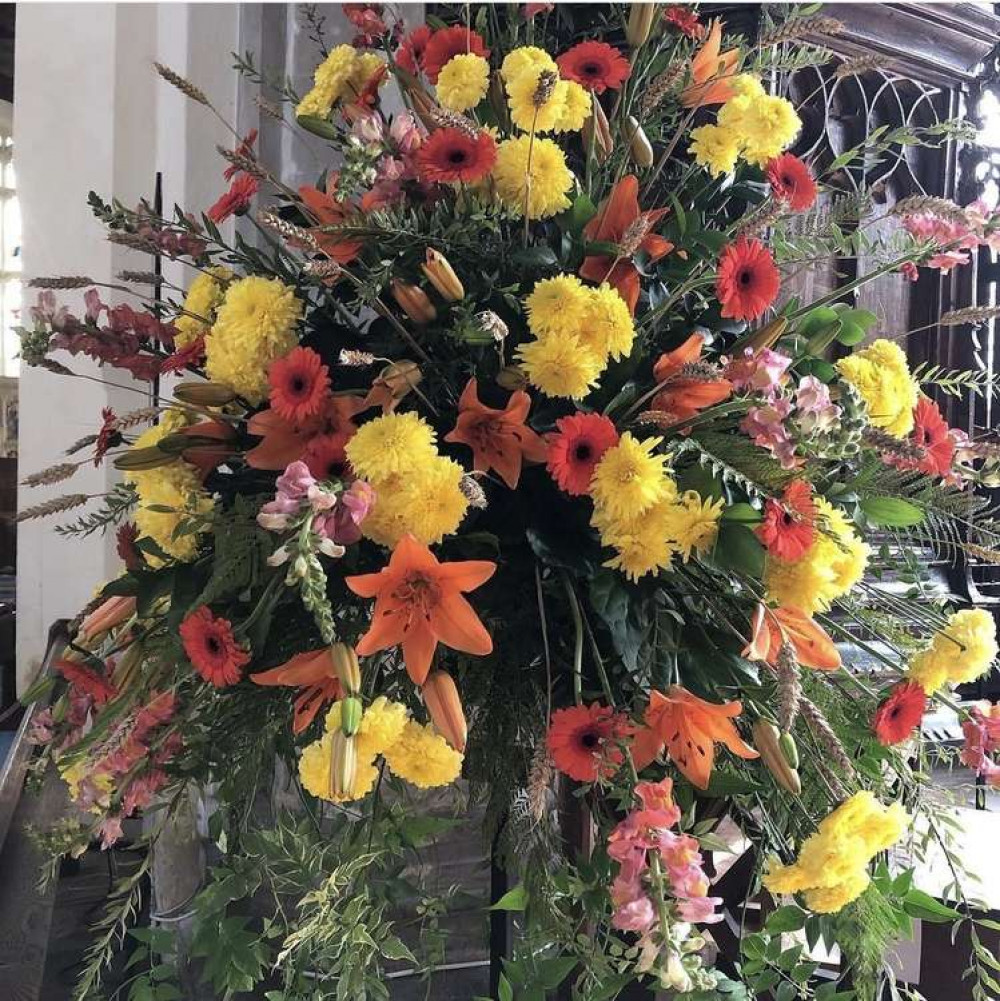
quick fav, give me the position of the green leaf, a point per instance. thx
(927, 908)
(513, 900)
(891, 512)
(744, 514)
(540, 256)
(737, 548)
(395, 948)
(577, 215)
(788, 918)
(504, 991)
(317, 126)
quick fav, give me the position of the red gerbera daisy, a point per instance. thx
(685, 20)
(326, 458)
(594, 65)
(583, 741)
(747, 280)
(300, 384)
(235, 201)
(447, 43)
(212, 648)
(899, 713)
(453, 155)
(789, 525)
(410, 54)
(576, 448)
(792, 182)
(932, 434)
(87, 680)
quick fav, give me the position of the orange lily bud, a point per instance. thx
(597, 132)
(767, 739)
(442, 276)
(345, 664)
(351, 712)
(767, 336)
(343, 764)
(445, 707)
(638, 143)
(512, 378)
(204, 394)
(413, 302)
(111, 613)
(640, 23)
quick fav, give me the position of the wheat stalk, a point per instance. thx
(62, 282)
(53, 474)
(184, 86)
(798, 27)
(58, 504)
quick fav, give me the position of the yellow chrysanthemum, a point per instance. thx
(560, 366)
(607, 327)
(202, 300)
(715, 149)
(389, 445)
(168, 494)
(880, 374)
(255, 324)
(577, 108)
(557, 306)
(642, 543)
(463, 81)
(958, 654)
(526, 57)
(827, 570)
(746, 85)
(427, 501)
(537, 102)
(329, 82)
(381, 725)
(831, 868)
(423, 758)
(366, 65)
(761, 125)
(314, 772)
(693, 524)
(630, 479)
(551, 179)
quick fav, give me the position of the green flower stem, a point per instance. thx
(574, 608)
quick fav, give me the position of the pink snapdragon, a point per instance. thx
(758, 371)
(982, 741)
(765, 425)
(816, 413)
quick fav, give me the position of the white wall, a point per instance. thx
(90, 113)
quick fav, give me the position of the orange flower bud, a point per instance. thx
(767, 336)
(640, 23)
(597, 132)
(638, 144)
(413, 302)
(442, 276)
(345, 664)
(343, 764)
(111, 613)
(445, 708)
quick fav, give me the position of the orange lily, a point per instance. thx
(619, 215)
(329, 211)
(285, 442)
(315, 674)
(110, 613)
(685, 395)
(711, 72)
(203, 456)
(419, 603)
(392, 385)
(772, 627)
(689, 728)
(499, 439)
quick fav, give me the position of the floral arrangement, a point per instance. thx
(503, 453)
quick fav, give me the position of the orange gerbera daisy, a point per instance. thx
(594, 65)
(575, 449)
(300, 383)
(329, 211)
(284, 442)
(688, 390)
(499, 439)
(453, 155)
(583, 741)
(315, 674)
(618, 218)
(746, 280)
(773, 627)
(326, 456)
(689, 728)
(711, 72)
(212, 648)
(789, 526)
(419, 603)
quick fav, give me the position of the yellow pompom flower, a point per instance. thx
(390, 444)
(423, 758)
(314, 772)
(557, 306)
(959, 653)
(831, 868)
(715, 149)
(880, 374)
(551, 179)
(366, 65)
(560, 365)
(537, 101)
(827, 570)
(463, 81)
(255, 324)
(607, 327)
(746, 85)
(168, 494)
(761, 125)
(526, 57)
(642, 542)
(330, 80)
(202, 300)
(577, 108)
(630, 479)
(381, 725)
(693, 524)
